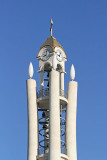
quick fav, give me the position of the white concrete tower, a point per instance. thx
(32, 116)
(52, 134)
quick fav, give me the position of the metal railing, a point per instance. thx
(45, 92)
(41, 150)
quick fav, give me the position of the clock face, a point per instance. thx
(45, 55)
(59, 55)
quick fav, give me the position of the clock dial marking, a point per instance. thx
(45, 55)
(59, 55)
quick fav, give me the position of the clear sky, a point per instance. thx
(81, 28)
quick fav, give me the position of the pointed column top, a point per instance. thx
(72, 72)
(30, 70)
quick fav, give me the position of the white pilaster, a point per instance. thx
(62, 81)
(41, 80)
(54, 108)
(32, 120)
(71, 121)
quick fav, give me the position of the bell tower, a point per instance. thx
(51, 112)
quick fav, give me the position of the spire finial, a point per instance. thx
(51, 27)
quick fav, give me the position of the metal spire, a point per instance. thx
(51, 27)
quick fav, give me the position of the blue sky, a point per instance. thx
(81, 28)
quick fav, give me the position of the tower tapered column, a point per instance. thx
(71, 121)
(41, 80)
(54, 108)
(62, 81)
(32, 120)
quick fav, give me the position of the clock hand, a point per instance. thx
(59, 54)
(46, 53)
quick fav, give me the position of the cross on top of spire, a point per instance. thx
(51, 27)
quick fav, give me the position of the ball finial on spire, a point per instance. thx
(72, 72)
(30, 70)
